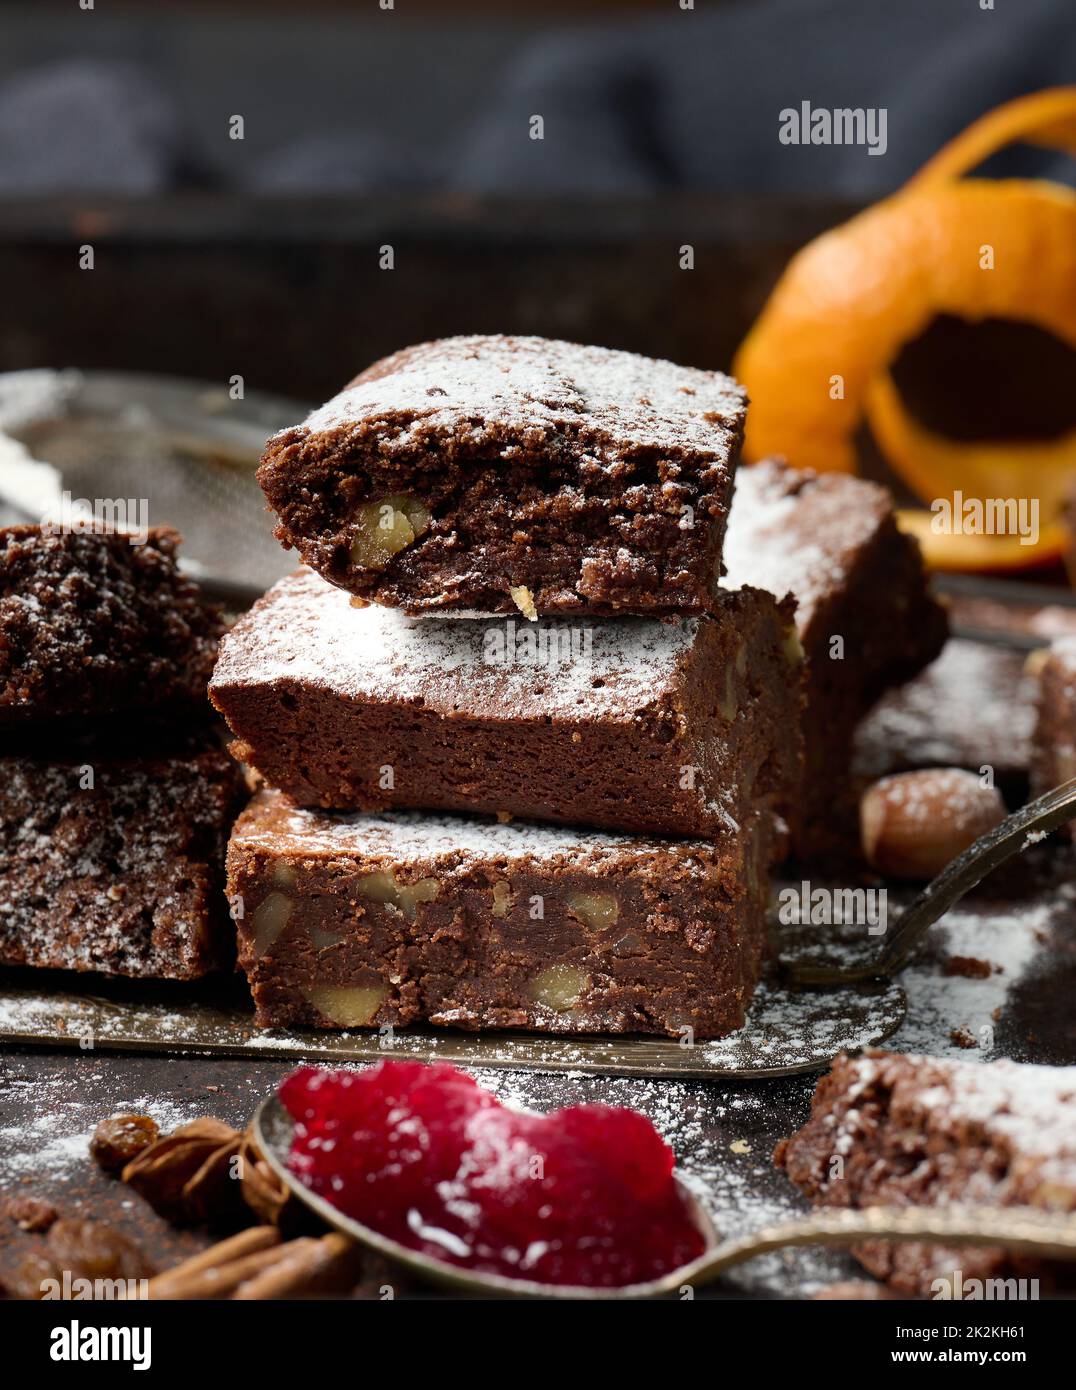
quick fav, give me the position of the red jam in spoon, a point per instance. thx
(583, 1196)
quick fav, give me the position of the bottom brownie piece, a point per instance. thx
(116, 864)
(894, 1130)
(365, 920)
(1053, 743)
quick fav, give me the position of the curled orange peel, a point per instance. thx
(816, 363)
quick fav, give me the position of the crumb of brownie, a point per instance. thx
(963, 1037)
(970, 968)
(524, 601)
(31, 1214)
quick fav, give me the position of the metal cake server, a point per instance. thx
(1015, 833)
(1023, 1230)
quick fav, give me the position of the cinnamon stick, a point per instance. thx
(254, 1241)
(302, 1269)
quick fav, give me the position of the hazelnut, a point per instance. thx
(914, 823)
(502, 898)
(524, 601)
(381, 887)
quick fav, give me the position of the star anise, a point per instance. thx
(187, 1177)
(206, 1172)
(263, 1191)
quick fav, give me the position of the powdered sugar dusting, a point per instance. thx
(971, 706)
(273, 822)
(533, 390)
(1032, 1107)
(777, 514)
(306, 630)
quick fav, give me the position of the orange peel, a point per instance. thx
(816, 363)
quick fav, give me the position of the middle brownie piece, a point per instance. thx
(678, 727)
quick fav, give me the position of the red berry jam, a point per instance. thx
(583, 1196)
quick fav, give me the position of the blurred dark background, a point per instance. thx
(410, 127)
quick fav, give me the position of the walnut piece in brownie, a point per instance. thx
(115, 864)
(889, 1129)
(832, 542)
(356, 921)
(1053, 742)
(93, 625)
(682, 726)
(500, 474)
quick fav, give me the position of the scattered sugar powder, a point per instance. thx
(939, 1003)
(55, 1143)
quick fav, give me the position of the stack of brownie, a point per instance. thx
(527, 762)
(115, 796)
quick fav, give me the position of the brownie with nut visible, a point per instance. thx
(682, 726)
(889, 1129)
(93, 624)
(361, 921)
(1053, 742)
(864, 613)
(499, 474)
(115, 863)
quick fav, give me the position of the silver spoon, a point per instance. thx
(1036, 819)
(1023, 1230)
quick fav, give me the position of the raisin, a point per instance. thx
(93, 1250)
(120, 1138)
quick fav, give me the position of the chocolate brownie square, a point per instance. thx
(359, 921)
(863, 611)
(500, 474)
(1053, 742)
(114, 863)
(93, 625)
(683, 726)
(893, 1130)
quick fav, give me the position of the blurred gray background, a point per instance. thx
(409, 127)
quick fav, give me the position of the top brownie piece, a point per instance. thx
(92, 625)
(492, 474)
